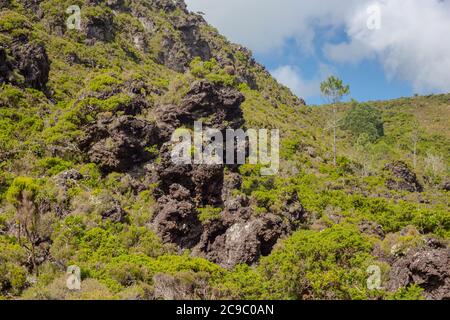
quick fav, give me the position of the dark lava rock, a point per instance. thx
(72, 174)
(177, 221)
(29, 59)
(33, 64)
(65, 179)
(294, 210)
(237, 236)
(98, 28)
(168, 5)
(181, 286)
(32, 5)
(208, 182)
(189, 27)
(115, 214)
(183, 187)
(176, 54)
(204, 182)
(118, 144)
(220, 104)
(371, 228)
(115, 4)
(246, 242)
(402, 178)
(6, 67)
(5, 4)
(241, 237)
(428, 267)
(231, 181)
(205, 99)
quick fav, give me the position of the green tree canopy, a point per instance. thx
(364, 119)
(333, 89)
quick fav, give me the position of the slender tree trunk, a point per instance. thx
(334, 136)
(415, 142)
(33, 260)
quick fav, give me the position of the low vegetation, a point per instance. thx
(49, 222)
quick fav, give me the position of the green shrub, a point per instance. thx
(20, 185)
(53, 166)
(208, 214)
(364, 119)
(10, 20)
(211, 71)
(103, 82)
(412, 292)
(12, 270)
(323, 265)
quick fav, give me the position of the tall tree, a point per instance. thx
(22, 194)
(334, 90)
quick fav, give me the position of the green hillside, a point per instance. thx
(85, 117)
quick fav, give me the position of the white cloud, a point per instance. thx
(264, 25)
(292, 78)
(348, 52)
(412, 43)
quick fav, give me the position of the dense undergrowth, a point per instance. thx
(326, 258)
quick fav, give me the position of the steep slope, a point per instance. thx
(86, 176)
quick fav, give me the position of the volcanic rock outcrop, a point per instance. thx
(428, 267)
(237, 236)
(29, 59)
(218, 107)
(402, 178)
(6, 67)
(118, 144)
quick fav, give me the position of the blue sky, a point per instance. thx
(367, 79)
(383, 49)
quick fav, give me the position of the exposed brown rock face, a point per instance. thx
(182, 286)
(5, 4)
(176, 54)
(241, 237)
(33, 64)
(168, 5)
(371, 228)
(402, 178)
(117, 141)
(29, 59)
(237, 236)
(98, 28)
(115, 214)
(184, 187)
(427, 267)
(6, 67)
(65, 180)
(118, 144)
(176, 220)
(219, 105)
